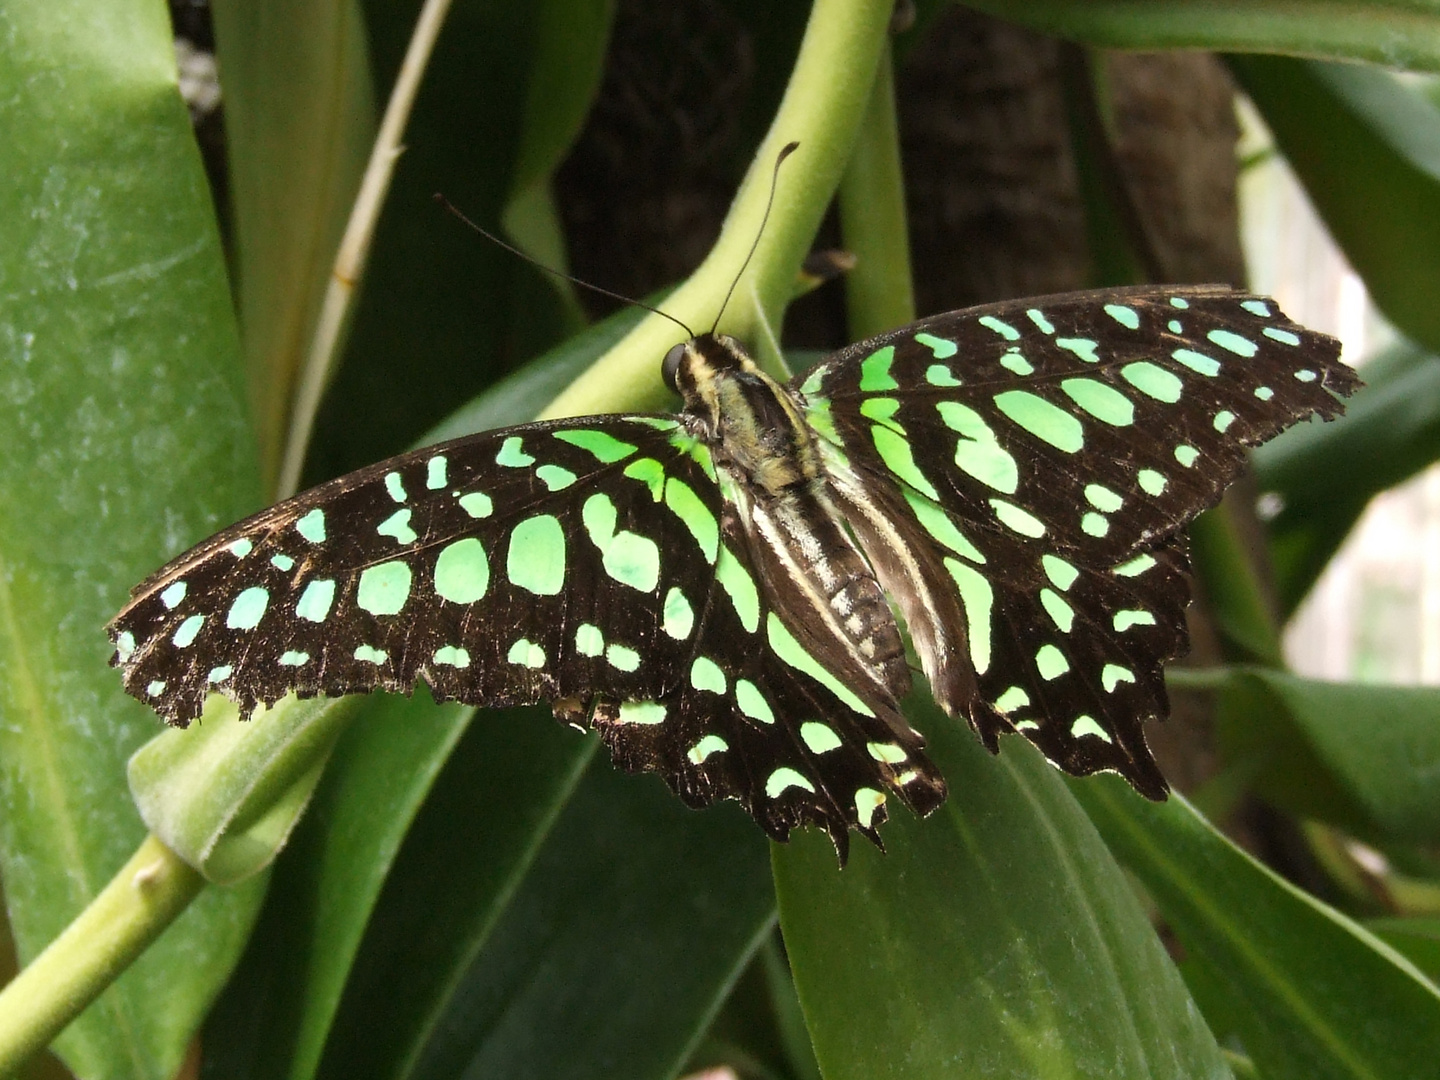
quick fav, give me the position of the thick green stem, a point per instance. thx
(822, 110)
(145, 897)
(879, 292)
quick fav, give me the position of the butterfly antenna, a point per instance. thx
(452, 208)
(785, 151)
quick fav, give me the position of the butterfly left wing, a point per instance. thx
(1021, 474)
(593, 562)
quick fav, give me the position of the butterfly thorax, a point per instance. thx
(772, 474)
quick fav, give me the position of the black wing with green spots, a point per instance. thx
(1017, 476)
(592, 563)
(1025, 471)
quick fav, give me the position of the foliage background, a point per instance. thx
(481, 894)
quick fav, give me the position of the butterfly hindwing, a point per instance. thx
(1042, 457)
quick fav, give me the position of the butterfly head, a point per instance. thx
(693, 367)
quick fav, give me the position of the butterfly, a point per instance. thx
(711, 589)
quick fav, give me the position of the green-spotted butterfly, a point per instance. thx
(709, 589)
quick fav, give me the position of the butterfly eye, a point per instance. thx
(671, 366)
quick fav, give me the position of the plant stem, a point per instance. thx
(824, 103)
(355, 247)
(879, 292)
(145, 897)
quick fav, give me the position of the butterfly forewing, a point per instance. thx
(1034, 463)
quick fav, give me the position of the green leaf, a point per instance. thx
(1417, 939)
(1365, 758)
(613, 955)
(1367, 149)
(224, 795)
(1326, 474)
(1397, 33)
(995, 938)
(490, 792)
(293, 174)
(1308, 992)
(122, 440)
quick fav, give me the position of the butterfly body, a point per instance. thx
(709, 589)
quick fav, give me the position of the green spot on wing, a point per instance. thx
(710, 744)
(435, 472)
(1084, 348)
(1125, 316)
(820, 738)
(937, 523)
(1151, 482)
(977, 597)
(1197, 362)
(312, 526)
(695, 515)
(875, 371)
(1228, 339)
(589, 640)
(1153, 381)
(394, 487)
(512, 454)
(1042, 324)
(783, 778)
(294, 658)
(1102, 498)
(527, 654)
(601, 445)
(791, 651)
(1114, 675)
(397, 525)
(679, 616)
(648, 713)
(940, 347)
(371, 655)
(477, 504)
(1051, 662)
(705, 674)
(1061, 574)
(1042, 419)
(462, 572)
(1013, 698)
(452, 656)
(1017, 519)
(740, 586)
(536, 559)
(1061, 612)
(940, 375)
(649, 472)
(172, 596)
(752, 703)
(894, 451)
(384, 588)
(622, 658)
(1101, 401)
(314, 603)
(1004, 329)
(555, 477)
(1086, 725)
(245, 613)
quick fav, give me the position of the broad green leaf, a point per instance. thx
(1367, 149)
(1398, 33)
(293, 172)
(615, 952)
(1325, 474)
(493, 788)
(1417, 939)
(224, 795)
(1363, 757)
(1311, 995)
(995, 938)
(123, 439)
